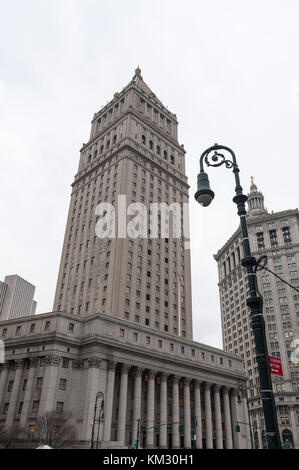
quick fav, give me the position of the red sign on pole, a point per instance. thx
(275, 366)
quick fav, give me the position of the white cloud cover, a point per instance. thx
(230, 72)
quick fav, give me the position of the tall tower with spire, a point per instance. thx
(255, 201)
(133, 151)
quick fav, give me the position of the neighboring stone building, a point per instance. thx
(122, 320)
(277, 236)
(16, 298)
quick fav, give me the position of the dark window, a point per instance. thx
(273, 238)
(260, 241)
(286, 235)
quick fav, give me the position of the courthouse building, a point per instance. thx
(276, 235)
(122, 316)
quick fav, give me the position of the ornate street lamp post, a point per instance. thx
(204, 196)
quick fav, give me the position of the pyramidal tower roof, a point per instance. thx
(138, 80)
(140, 83)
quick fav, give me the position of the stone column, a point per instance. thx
(175, 413)
(246, 434)
(77, 384)
(3, 380)
(163, 411)
(137, 403)
(259, 432)
(197, 412)
(14, 394)
(208, 416)
(33, 363)
(122, 406)
(150, 413)
(294, 429)
(47, 397)
(92, 388)
(109, 400)
(227, 420)
(233, 405)
(187, 414)
(218, 417)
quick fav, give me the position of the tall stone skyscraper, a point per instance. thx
(277, 236)
(133, 151)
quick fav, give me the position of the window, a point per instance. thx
(65, 362)
(5, 408)
(273, 238)
(71, 327)
(260, 241)
(31, 429)
(148, 340)
(10, 385)
(47, 325)
(286, 235)
(62, 384)
(35, 406)
(122, 332)
(32, 327)
(39, 383)
(59, 407)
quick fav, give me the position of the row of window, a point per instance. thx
(38, 384)
(34, 408)
(32, 329)
(273, 238)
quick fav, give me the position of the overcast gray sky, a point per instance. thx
(228, 69)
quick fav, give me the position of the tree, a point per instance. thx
(54, 429)
(10, 437)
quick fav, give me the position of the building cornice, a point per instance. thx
(83, 338)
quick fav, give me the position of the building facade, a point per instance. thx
(122, 320)
(16, 298)
(182, 393)
(277, 236)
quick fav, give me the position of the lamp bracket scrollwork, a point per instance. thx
(217, 159)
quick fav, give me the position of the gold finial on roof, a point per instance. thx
(252, 177)
(138, 71)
